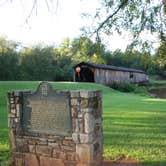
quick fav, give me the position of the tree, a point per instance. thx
(37, 63)
(134, 16)
(160, 58)
(9, 60)
(84, 49)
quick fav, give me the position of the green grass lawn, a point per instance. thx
(133, 125)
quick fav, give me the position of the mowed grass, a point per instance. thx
(133, 125)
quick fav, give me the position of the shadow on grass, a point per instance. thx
(4, 145)
(140, 136)
(128, 163)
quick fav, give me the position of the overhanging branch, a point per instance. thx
(109, 17)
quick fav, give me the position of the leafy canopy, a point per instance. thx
(134, 16)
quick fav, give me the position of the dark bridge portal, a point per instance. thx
(85, 75)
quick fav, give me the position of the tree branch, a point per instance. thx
(33, 8)
(109, 17)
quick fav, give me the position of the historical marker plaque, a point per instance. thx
(45, 111)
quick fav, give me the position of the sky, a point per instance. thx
(49, 27)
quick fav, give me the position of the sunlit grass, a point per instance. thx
(133, 125)
(136, 127)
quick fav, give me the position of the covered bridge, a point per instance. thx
(106, 74)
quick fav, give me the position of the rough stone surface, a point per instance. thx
(43, 150)
(82, 148)
(31, 160)
(12, 140)
(89, 121)
(47, 161)
(84, 153)
(86, 138)
(32, 148)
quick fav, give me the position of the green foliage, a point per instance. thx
(55, 63)
(134, 16)
(9, 60)
(160, 59)
(124, 87)
(84, 49)
(37, 64)
(156, 83)
(141, 90)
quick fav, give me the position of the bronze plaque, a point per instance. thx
(45, 111)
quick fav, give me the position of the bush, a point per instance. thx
(141, 90)
(124, 87)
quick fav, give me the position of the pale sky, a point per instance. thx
(48, 27)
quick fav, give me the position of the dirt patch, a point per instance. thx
(121, 161)
(158, 92)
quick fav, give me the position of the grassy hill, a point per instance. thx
(133, 125)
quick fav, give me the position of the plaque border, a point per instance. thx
(51, 93)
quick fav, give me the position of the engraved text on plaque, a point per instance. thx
(45, 111)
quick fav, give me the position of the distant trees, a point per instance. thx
(55, 63)
(85, 49)
(160, 59)
(9, 60)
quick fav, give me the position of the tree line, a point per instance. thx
(42, 62)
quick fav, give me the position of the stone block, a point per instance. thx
(59, 154)
(93, 103)
(86, 138)
(12, 106)
(17, 93)
(19, 162)
(43, 150)
(89, 122)
(68, 148)
(84, 103)
(74, 94)
(17, 99)
(31, 160)
(71, 156)
(11, 123)
(22, 145)
(12, 140)
(32, 142)
(75, 137)
(54, 145)
(10, 115)
(77, 128)
(75, 102)
(84, 94)
(18, 108)
(51, 140)
(98, 120)
(90, 110)
(13, 111)
(16, 120)
(80, 115)
(11, 100)
(70, 163)
(67, 139)
(84, 153)
(81, 125)
(87, 94)
(32, 148)
(47, 161)
(42, 141)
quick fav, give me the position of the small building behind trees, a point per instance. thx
(107, 74)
